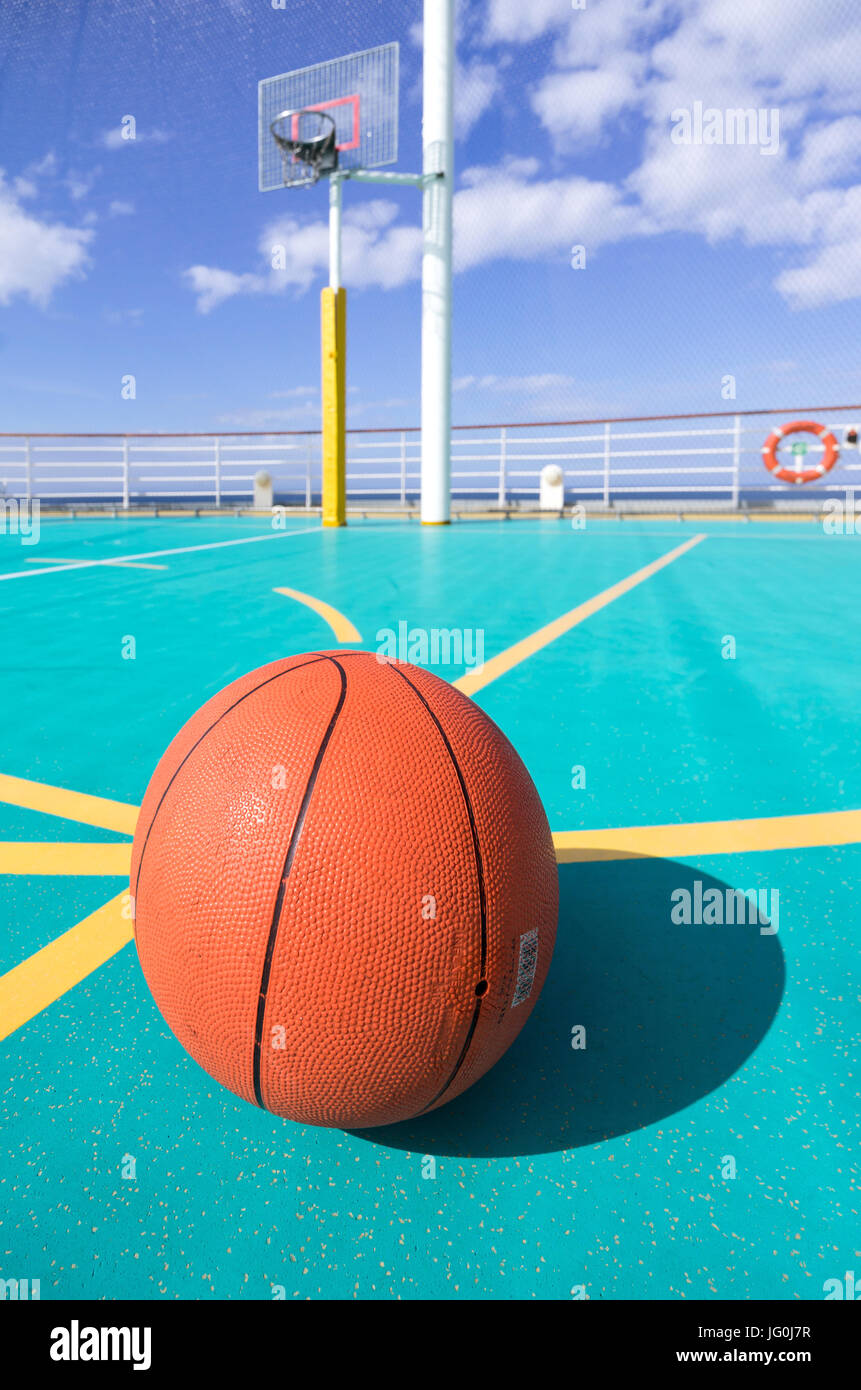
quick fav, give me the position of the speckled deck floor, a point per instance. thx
(604, 1168)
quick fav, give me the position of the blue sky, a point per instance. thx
(150, 257)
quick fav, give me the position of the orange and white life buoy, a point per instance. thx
(798, 475)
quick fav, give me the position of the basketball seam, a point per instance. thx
(197, 744)
(282, 886)
(482, 896)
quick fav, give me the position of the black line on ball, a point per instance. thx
(282, 886)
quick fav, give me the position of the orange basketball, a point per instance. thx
(344, 889)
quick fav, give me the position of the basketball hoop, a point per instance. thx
(307, 141)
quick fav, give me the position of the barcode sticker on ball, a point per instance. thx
(526, 967)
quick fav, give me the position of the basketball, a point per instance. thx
(344, 890)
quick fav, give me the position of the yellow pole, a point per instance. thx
(334, 338)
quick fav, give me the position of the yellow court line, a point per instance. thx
(46, 857)
(824, 828)
(513, 656)
(46, 976)
(132, 565)
(341, 626)
(78, 806)
(30, 987)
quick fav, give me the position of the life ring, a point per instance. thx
(797, 475)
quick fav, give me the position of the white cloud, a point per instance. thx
(501, 213)
(613, 27)
(516, 167)
(527, 385)
(372, 215)
(45, 166)
(577, 105)
(79, 186)
(830, 151)
(505, 215)
(803, 52)
(477, 85)
(307, 414)
(833, 275)
(119, 208)
(832, 271)
(376, 252)
(116, 139)
(304, 247)
(36, 257)
(654, 57)
(26, 185)
(520, 21)
(118, 316)
(213, 286)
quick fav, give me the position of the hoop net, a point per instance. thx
(306, 141)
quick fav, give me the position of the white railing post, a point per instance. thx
(217, 443)
(28, 463)
(607, 464)
(403, 468)
(125, 472)
(736, 459)
(309, 454)
(503, 466)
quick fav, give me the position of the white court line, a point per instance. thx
(153, 554)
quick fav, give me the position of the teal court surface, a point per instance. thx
(686, 699)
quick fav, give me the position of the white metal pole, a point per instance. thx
(335, 203)
(503, 462)
(403, 468)
(438, 142)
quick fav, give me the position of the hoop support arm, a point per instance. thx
(382, 176)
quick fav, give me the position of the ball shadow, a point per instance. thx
(670, 1012)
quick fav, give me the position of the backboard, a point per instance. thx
(359, 92)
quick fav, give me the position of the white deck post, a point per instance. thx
(502, 499)
(125, 472)
(438, 143)
(403, 468)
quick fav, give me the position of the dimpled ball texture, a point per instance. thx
(344, 890)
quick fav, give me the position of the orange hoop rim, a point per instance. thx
(807, 475)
